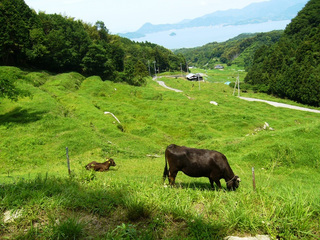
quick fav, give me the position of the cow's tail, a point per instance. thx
(165, 172)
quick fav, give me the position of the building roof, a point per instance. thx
(219, 66)
(192, 76)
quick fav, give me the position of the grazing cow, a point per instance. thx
(101, 167)
(199, 163)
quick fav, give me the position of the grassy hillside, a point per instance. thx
(130, 201)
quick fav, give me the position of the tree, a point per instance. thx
(140, 73)
(103, 31)
(16, 20)
(39, 50)
(96, 62)
(116, 52)
(64, 40)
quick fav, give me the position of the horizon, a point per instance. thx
(134, 14)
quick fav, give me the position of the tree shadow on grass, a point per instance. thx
(58, 197)
(20, 116)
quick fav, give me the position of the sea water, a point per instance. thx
(199, 36)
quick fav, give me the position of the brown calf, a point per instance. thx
(101, 167)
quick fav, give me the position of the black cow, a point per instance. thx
(199, 163)
(101, 167)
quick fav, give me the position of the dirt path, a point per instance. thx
(161, 83)
(275, 104)
(283, 105)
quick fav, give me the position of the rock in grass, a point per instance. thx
(11, 215)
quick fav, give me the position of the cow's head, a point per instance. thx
(111, 161)
(233, 184)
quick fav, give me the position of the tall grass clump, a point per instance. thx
(70, 228)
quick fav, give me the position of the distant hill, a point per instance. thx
(239, 50)
(274, 10)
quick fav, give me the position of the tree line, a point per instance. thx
(239, 50)
(59, 44)
(290, 68)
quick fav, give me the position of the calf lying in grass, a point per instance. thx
(101, 167)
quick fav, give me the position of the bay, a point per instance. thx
(199, 36)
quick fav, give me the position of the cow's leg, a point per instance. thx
(218, 183)
(104, 169)
(101, 169)
(211, 182)
(172, 177)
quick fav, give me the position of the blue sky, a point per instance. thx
(129, 15)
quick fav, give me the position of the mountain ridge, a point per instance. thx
(274, 10)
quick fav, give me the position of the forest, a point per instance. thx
(59, 43)
(239, 50)
(290, 68)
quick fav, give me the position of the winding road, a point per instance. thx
(275, 104)
(283, 105)
(161, 83)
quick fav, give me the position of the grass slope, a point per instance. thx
(130, 201)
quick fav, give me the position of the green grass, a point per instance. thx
(130, 201)
(228, 74)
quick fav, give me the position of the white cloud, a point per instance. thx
(203, 3)
(73, 1)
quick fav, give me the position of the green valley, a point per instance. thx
(130, 201)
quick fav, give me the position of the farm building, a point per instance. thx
(194, 77)
(219, 67)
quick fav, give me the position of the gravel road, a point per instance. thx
(275, 104)
(161, 83)
(283, 105)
